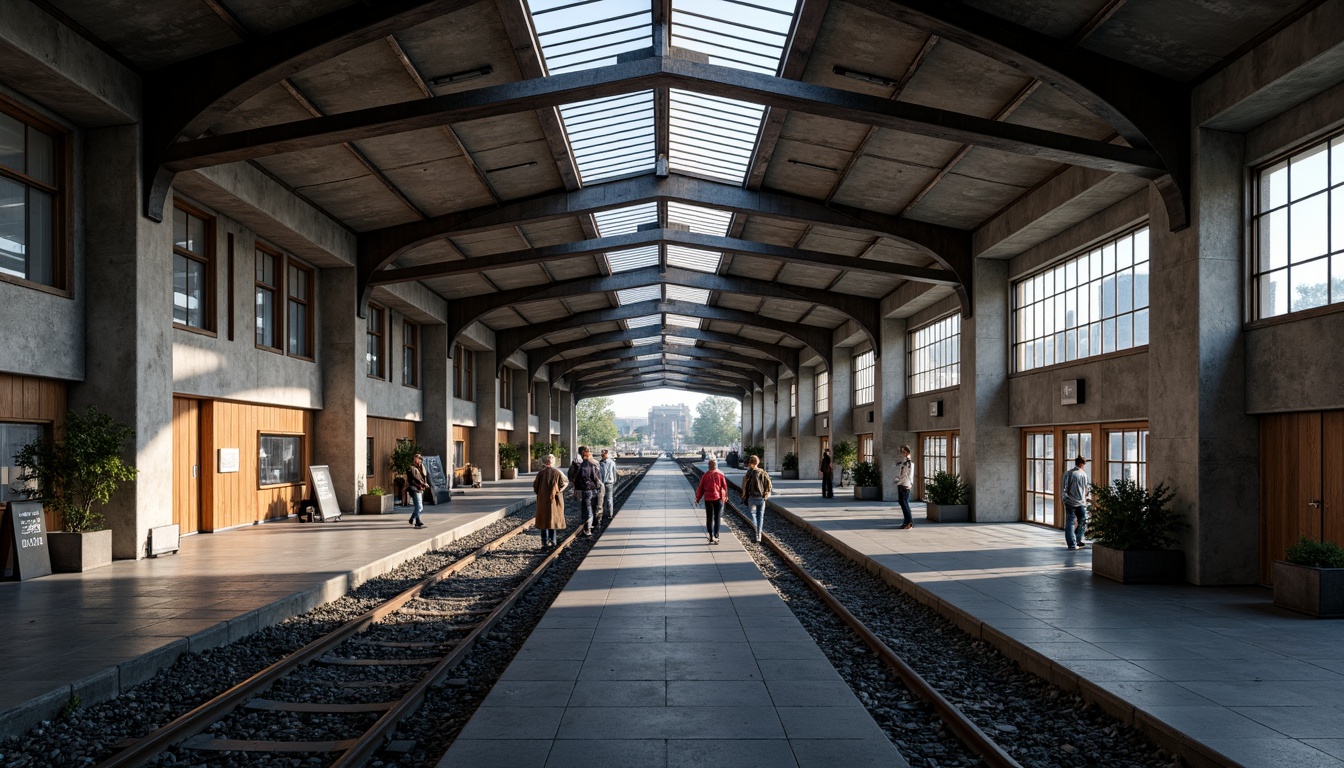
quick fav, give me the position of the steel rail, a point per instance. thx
(965, 729)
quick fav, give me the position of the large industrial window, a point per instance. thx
(793, 400)
(1113, 451)
(299, 309)
(12, 438)
(374, 334)
(935, 355)
(505, 388)
(268, 307)
(193, 270)
(1092, 304)
(280, 460)
(1299, 231)
(464, 383)
(939, 452)
(823, 391)
(865, 369)
(410, 354)
(32, 199)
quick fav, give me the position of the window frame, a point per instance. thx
(375, 333)
(301, 438)
(410, 353)
(62, 256)
(864, 388)
(310, 331)
(1060, 461)
(793, 399)
(464, 368)
(505, 389)
(951, 456)
(919, 355)
(822, 391)
(209, 312)
(278, 290)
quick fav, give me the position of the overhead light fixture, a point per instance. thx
(814, 165)
(866, 77)
(528, 164)
(458, 77)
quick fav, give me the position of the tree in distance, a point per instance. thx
(596, 422)
(716, 422)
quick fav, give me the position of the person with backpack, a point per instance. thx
(586, 477)
(755, 490)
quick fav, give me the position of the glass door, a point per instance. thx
(1040, 480)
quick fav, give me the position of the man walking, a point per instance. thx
(827, 475)
(1074, 489)
(586, 477)
(755, 490)
(608, 472)
(549, 486)
(905, 477)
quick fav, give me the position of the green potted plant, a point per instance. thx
(509, 456)
(1133, 529)
(789, 466)
(946, 497)
(403, 456)
(376, 502)
(561, 452)
(1310, 579)
(845, 455)
(539, 451)
(72, 475)
(867, 481)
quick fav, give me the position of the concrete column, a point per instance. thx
(543, 389)
(746, 418)
(521, 417)
(757, 418)
(892, 419)
(569, 424)
(990, 449)
(809, 445)
(770, 424)
(1200, 442)
(435, 433)
(341, 427)
(842, 399)
(484, 448)
(128, 290)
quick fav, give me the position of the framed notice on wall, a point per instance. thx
(228, 460)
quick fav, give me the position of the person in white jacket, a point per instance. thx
(905, 478)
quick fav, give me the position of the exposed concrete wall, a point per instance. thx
(990, 448)
(520, 406)
(464, 411)
(1052, 208)
(388, 397)
(1115, 389)
(921, 421)
(892, 422)
(809, 445)
(483, 450)
(1296, 366)
(342, 426)
(435, 432)
(842, 398)
(770, 421)
(1127, 213)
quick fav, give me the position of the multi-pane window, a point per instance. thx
(464, 383)
(299, 309)
(1299, 232)
(12, 438)
(373, 342)
(193, 277)
(1127, 456)
(865, 447)
(32, 200)
(268, 289)
(865, 370)
(935, 355)
(823, 391)
(793, 400)
(1040, 470)
(280, 460)
(506, 388)
(1092, 304)
(410, 354)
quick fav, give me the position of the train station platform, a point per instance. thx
(1219, 669)
(98, 633)
(663, 650)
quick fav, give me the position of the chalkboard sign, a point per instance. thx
(438, 481)
(25, 539)
(320, 479)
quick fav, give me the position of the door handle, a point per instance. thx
(195, 470)
(1314, 504)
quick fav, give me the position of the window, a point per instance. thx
(935, 355)
(268, 287)
(1092, 304)
(459, 453)
(1040, 485)
(865, 447)
(823, 391)
(368, 457)
(793, 400)
(1299, 232)
(1127, 456)
(32, 199)
(464, 385)
(1113, 451)
(410, 356)
(939, 452)
(299, 309)
(864, 371)
(506, 388)
(193, 277)
(373, 342)
(281, 460)
(12, 438)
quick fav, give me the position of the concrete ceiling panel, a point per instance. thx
(362, 202)
(963, 202)
(898, 253)
(824, 317)
(155, 34)
(470, 38)
(368, 76)
(1049, 109)
(429, 253)
(763, 229)
(518, 277)
(510, 173)
(1056, 18)
(740, 301)
(403, 150)
(805, 177)
(722, 327)
(928, 298)
(272, 106)
(553, 232)
(587, 301)
(959, 79)
(838, 241)
(817, 131)
(262, 17)
(497, 132)
(882, 184)
(858, 39)
(872, 286)
(751, 266)
(503, 318)
(909, 149)
(489, 242)
(441, 186)
(1003, 168)
(809, 275)
(569, 269)
(788, 311)
(459, 286)
(318, 166)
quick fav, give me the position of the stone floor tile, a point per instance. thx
(790, 649)
(508, 723)
(529, 693)
(829, 723)
(607, 753)
(717, 723)
(1274, 752)
(734, 753)
(829, 753)
(1298, 722)
(797, 669)
(619, 693)
(515, 753)
(718, 693)
(812, 693)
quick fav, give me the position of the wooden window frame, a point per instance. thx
(505, 388)
(310, 331)
(410, 354)
(278, 293)
(208, 311)
(303, 448)
(952, 436)
(861, 389)
(375, 332)
(464, 383)
(1099, 460)
(822, 399)
(861, 440)
(62, 256)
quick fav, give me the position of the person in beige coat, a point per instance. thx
(550, 486)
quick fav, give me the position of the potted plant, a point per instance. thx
(789, 466)
(403, 456)
(375, 502)
(539, 451)
(1310, 579)
(71, 475)
(1133, 529)
(946, 496)
(845, 455)
(867, 481)
(561, 452)
(509, 456)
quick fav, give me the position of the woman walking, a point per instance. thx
(713, 488)
(415, 480)
(549, 486)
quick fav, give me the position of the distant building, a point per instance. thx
(628, 425)
(667, 423)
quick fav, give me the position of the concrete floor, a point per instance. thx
(1218, 667)
(665, 651)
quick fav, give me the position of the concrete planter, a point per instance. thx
(867, 493)
(788, 474)
(381, 504)
(1140, 566)
(508, 474)
(949, 513)
(1316, 592)
(77, 552)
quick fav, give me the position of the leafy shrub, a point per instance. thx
(845, 454)
(509, 456)
(946, 489)
(1315, 554)
(790, 462)
(403, 456)
(867, 475)
(1127, 516)
(81, 469)
(377, 490)
(756, 450)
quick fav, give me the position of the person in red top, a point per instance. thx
(713, 489)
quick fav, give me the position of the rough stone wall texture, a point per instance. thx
(1114, 389)
(990, 447)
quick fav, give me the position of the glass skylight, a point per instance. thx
(744, 35)
(646, 358)
(623, 221)
(706, 221)
(693, 258)
(646, 340)
(682, 293)
(712, 136)
(611, 137)
(634, 258)
(670, 356)
(679, 340)
(683, 321)
(590, 33)
(636, 295)
(644, 322)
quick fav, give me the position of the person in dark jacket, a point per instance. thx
(827, 475)
(586, 477)
(755, 490)
(416, 482)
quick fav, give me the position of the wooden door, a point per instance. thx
(187, 464)
(1301, 484)
(1332, 476)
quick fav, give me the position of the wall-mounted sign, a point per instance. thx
(25, 541)
(228, 460)
(935, 407)
(1071, 392)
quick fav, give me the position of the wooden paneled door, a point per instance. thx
(1301, 485)
(187, 464)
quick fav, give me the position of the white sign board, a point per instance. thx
(228, 460)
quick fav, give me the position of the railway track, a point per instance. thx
(342, 697)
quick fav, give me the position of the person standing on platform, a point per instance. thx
(827, 475)
(415, 480)
(1074, 490)
(550, 485)
(755, 490)
(713, 489)
(905, 478)
(608, 471)
(587, 479)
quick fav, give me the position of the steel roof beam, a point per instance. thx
(787, 357)
(768, 370)
(733, 394)
(680, 366)
(657, 379)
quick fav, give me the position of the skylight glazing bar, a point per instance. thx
(623, 221)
